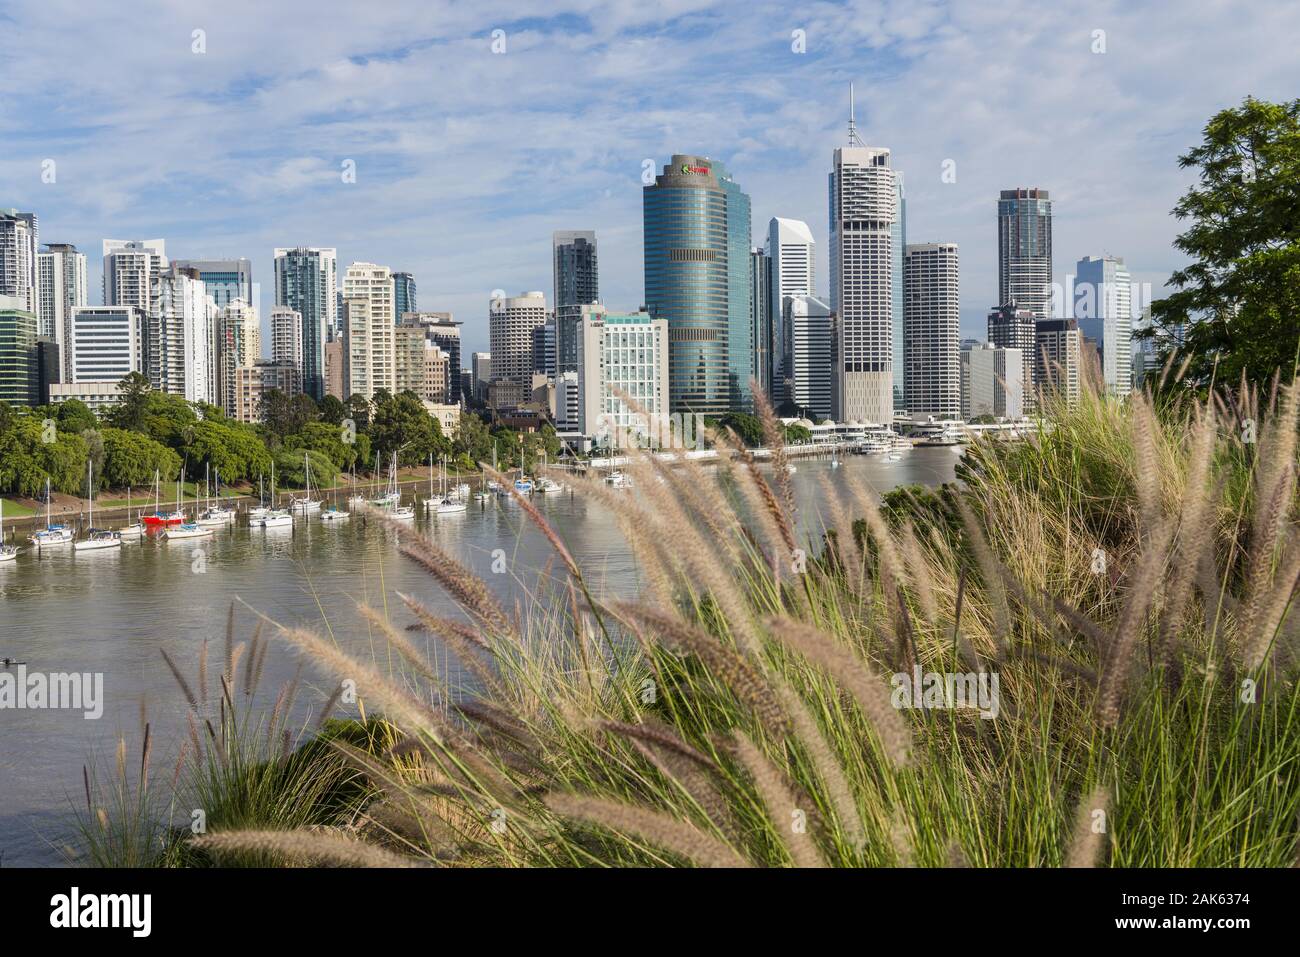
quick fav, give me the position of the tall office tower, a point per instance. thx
(1025, 250)
(19, 242)
(225, 279)
(810, 347)
(286, 335)
(863, 213)
(306, 279)
(334, 364)
(1058, 345)
(544, 350)
(761, 321)
(131, 268)
(898, 237)
(511, 321)
(792, 252)
(931, 330)
(368, 339)
(239, 345)
(697, 244)
(403, 294)
(993, 382)
(442, 331)
(19, 366)
(61, 288)
(1103, 306)
(1012, 327)
(624, 351)
(480, 370)
(577, 283)
(103, 344)
(179, 338)
(409, 345)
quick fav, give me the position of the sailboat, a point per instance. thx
(392, 497)
(334, 513)
(7, 552)
(213, 514)
(403, 513)
(356, 498)
(260, 509)
(272, 517)
(159, 519)
(98, 537)
(133, 530)
(51, 534)
(306, 503)
(545, 484)
(445, 503)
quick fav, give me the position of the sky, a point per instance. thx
(470, 146)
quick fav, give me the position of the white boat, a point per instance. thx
(51, 534)
(618, 480)
(186, 530)
(7, 552)
(98, 538)
(134, 530)
(276, 518)
(256, 512)
(306, 503)
(403, 513)
(334, 514)
(548, 486)
(444, 503)
(790, 469)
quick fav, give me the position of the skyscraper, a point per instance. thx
(864, 196)
(697, 244)
(286, 335)
(225, 279)
(369, 339)
(19, 242)
(627, 352)
(544, 350)
(239, 345)
(441, 330)
(403, 294)
(1103, 305)
(103, 344)
(898, 236)
(577, 283)
(931, 331)
(1013, 327)
(762, 322)
(511, 321)
(179, 337)
(306, 279)
(810, 347)
(61, 288)
(1058, 346)
(1025, 250)
(131, 268)
(19, 370)
(994, 382)
(792, 251)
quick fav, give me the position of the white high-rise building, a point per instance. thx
(792, 252)
(239, 345)
(61, 288)
(1103, 306)
(627, 352)
(103, 344)
(931, 331)
(286, 335)
(19, 242)
(864, 213)
(995, 381)
(809, 349)
(180, 342)
(369, 361)
(130, 269)
(511, 321)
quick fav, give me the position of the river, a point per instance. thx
(112, 611)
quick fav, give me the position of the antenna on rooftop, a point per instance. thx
(854, 139)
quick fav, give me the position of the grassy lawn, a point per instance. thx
(15, 510)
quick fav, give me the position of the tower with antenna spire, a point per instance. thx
(854, 138)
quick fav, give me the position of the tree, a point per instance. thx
(357, 408)
(474, 438)
(1236, 307)
(131, 459)
(130, 412)
(73, 415)
(283, 415)
(402, 425)
(332, 410)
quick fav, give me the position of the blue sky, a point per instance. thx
(467, 159)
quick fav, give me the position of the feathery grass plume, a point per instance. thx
(921, 578)
(847, 554)
(146, 752)
(230, 641)
(1088, 841)
(1256, 636)
(1196, 532)
(956, 856)
(697, 784)
(852, 674)
(763, 500)
(501, 721)
(774, 436)
(203, 674)
(1258, 574)
(306, 847)
(1144, 583)
(537, 519)
(1146, 463)
(990, 572)
(190, 699)
(1275, 471)
(254, 649)
(653, 827)
(726, 664)
(468, 589)
(466, 643)
(660, 735)
(638, 526)
(330, 704)
(900, 839)
(780, 803)
(824, 759)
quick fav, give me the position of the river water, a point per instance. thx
(112, 611)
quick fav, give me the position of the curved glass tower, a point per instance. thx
(697, 242)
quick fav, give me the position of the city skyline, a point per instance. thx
(431, 197)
